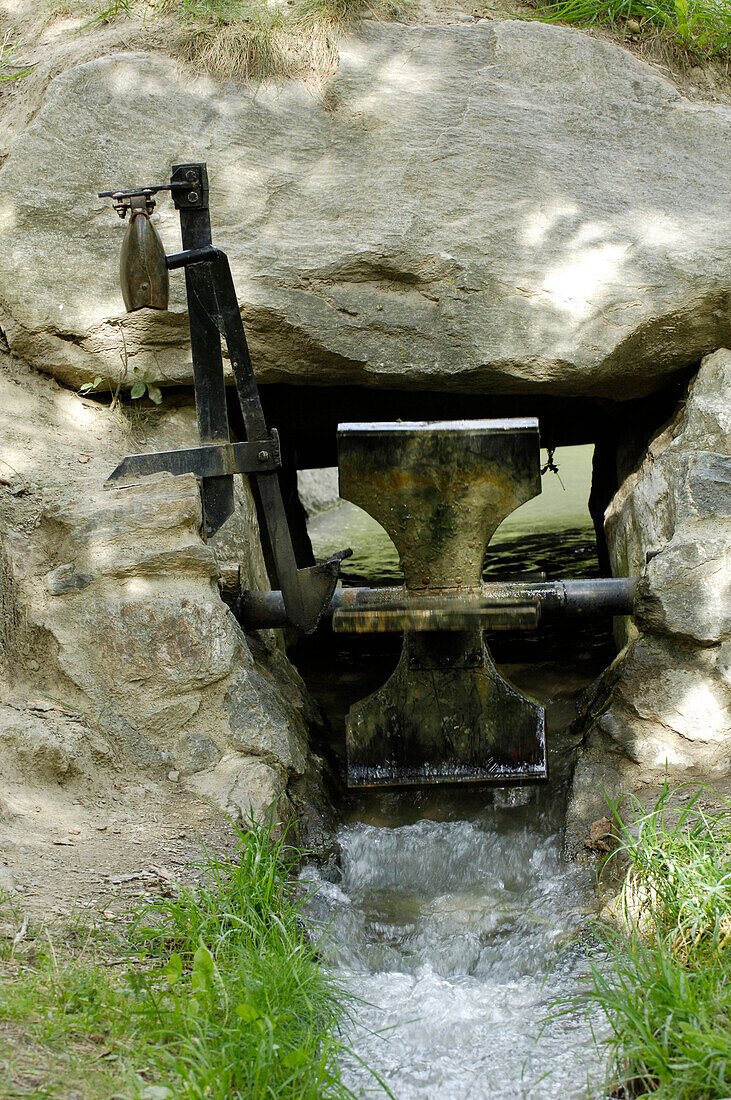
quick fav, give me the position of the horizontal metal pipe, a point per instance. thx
(571, 599)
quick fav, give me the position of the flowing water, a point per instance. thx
(457, 934)
(451, 916)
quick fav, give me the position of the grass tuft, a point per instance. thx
(698, 28)
(216, 993)
(665, 985)
(259, 39)
(250, 39)
(241, 1005)
(9, 67)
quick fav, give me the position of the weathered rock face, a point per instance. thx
(111, 608)
(666, 701)
(500, 206)
(318, 489)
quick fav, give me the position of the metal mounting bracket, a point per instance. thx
(213, 460)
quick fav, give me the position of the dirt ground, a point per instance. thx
(88, 847)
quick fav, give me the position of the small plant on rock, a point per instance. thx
(146, 383)
(9, 68)
(700, 28)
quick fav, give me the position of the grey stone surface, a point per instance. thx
(686, 590)
(670, 522)
(245, 787)
(497, 206)
(145, 649)
(664, 708)
(261, 721)
(52, 746)
(318, 489)
(196, 751)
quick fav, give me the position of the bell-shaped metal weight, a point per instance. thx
(143, 272)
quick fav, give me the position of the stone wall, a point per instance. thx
(664, 706)
(500, 207)
(111, 606)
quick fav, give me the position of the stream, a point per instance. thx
(451, 917)
(457, 933)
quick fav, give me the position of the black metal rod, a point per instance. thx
(191, 256)
(229, 318)
(205, 339)
(210, 286)
(557, 599)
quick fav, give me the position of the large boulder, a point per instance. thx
(110, 610)
(495, 207)
(663, 710)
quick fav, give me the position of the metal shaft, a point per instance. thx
(571, 598)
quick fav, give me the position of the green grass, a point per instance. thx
(665, 986)
(9, 67)
(699, 28)
(214, 993)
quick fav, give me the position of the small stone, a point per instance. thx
(102, 828)
(65, 579)
(83, 458)
(173, 776)
(74, 831)
(601, 835)
(42, 705)
(7, 882)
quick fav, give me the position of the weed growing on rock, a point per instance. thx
(250, 39)
(216, 992)
(9, 67)
(259, 40)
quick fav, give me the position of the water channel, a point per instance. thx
(451, 916)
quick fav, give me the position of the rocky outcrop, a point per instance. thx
(318, 489)
(664, 707)
(111, 610)
(503, 206)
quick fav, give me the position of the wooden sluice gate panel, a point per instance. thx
(445, 715)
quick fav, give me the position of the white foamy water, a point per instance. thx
(457, 935)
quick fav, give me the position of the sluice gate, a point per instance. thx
(440, 489)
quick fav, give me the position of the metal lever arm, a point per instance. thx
(213, 311)
(306, 592)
